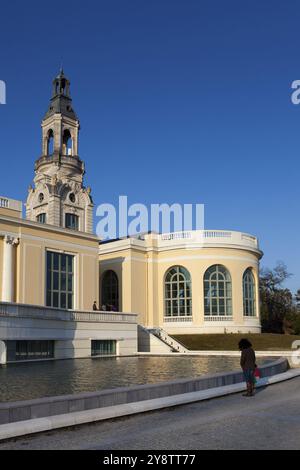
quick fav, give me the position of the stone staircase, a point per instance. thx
(173, 344)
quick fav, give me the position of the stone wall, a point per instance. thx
(25, 410)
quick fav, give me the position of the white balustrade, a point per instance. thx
(218, 318)
(4, 202)
(48, 313)
(208, 237)
(8, 203)
(177, 319)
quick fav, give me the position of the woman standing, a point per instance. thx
(248, 364)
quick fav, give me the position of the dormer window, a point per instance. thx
(72, 221)
(41, 218)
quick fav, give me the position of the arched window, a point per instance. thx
(249, 293)
(67, 143)
(110, 291)
(50, 142)
(217, 291)
(62, 86)
(178, 292)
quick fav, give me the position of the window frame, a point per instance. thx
(60, 280)
(249, 294)
(217, 285)
(44, 221)
(175, 304)
(75, 217)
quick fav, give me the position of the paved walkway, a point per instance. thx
(270, 420)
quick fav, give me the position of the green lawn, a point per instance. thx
(229, 342)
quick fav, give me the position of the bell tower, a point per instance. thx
(59, 196)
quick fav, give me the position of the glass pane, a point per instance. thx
(214, 306)
(63, 301)
(228, 307)
(55, 261)
(213, 290)
(168, 291)
(55, 299)
(175, 309)
(174, 290)
(63, 262)
(63, 282)
(48, 301)
(70, 263)
(55, 281)
(49, 258)
(48, 280)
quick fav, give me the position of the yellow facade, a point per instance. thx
(29, 259)
(141, 266)
(126, 275)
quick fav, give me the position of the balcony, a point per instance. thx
(208, 238)
(14, 310)
(70, 160)
(13, 207)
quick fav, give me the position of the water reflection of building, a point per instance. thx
(51, 266)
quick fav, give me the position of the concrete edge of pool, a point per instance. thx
(137, 399)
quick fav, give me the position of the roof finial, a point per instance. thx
(61, 67)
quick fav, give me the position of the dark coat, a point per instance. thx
(248, 360)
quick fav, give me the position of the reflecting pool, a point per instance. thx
(25, 381)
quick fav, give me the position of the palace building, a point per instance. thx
(53, 267)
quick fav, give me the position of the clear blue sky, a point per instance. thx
(179, 101)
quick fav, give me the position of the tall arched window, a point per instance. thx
(110, 291)
(178, 292)
(249, 293)
(50, 142)
(67, 142)
(217, 291)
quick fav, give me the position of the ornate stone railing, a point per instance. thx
(8, 203)
(217, 318)
(178, 319)
(47, 313)
(4, 202)
(73, 160)
(207, 237)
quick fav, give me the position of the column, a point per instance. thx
(8, 281)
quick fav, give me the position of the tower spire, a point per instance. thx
(59, 196)
(61, 101)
